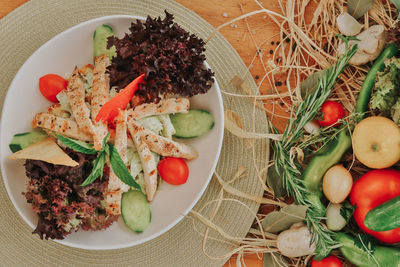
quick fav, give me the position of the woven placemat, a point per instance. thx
(23, 31)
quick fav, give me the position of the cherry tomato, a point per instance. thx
(50, 85)
(332, 112)
(371, 190)
(331, 261)
(173, 170)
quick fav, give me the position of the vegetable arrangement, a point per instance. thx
(364, 226)
(305, 188)
(112, 143)
(346, 54)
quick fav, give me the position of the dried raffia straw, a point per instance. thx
(233, 127)
(265, 244)
(233, 191)
(312, 46)
(238, 82)
(241, 243)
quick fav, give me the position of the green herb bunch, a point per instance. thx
(290, 171)
(117, 164)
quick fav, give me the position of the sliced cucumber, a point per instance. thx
(22, 140)
(100, 36)
(135, 210)
(195, 123)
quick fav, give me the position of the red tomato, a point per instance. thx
(331, 261)
(371, 190)
(50, 85)
(332, 112)
(173, 170)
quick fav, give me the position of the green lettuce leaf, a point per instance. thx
(386, 95)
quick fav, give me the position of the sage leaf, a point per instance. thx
(275, 181)
(277, 221)
(76, 145)
(119, 168)
(274, 260)
(309, 85)
(357, 8)
(97, 171)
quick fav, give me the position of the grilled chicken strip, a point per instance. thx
(76, 96)
(66, 127)
(148, 163)
(165, 106)
(100, 95)
(160, 144)
(85, 72)
(115, 186)
(56, 110)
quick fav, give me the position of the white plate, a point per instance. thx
(60, 55)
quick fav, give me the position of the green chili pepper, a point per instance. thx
(384, 217)
(369, 82)
(380, 257)
(329, 155)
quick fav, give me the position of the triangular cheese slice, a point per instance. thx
(46, 150)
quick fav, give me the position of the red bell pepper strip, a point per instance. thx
(109, 111)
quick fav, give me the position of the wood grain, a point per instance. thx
(264, 32)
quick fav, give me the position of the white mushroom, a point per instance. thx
(295, 242)
(370, 45)
(348, 25)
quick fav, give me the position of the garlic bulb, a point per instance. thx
(371, 43)
(348, 25)
(337, 184)
(334, 220)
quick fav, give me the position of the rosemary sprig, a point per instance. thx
(291, 171)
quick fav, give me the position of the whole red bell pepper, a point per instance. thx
(372, 189)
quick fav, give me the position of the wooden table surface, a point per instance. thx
(217, 12)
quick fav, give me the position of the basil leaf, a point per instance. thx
(76, 145)
(357, 8)
(98, 166)
(119, 168)
(104, 147)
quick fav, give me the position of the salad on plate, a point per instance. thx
(114, 131)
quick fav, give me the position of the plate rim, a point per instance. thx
(156, 234)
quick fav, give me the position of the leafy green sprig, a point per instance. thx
(117, 164)
(347, 211)
(291, 171)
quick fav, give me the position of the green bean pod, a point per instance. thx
(369, 82)
(382, 256)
